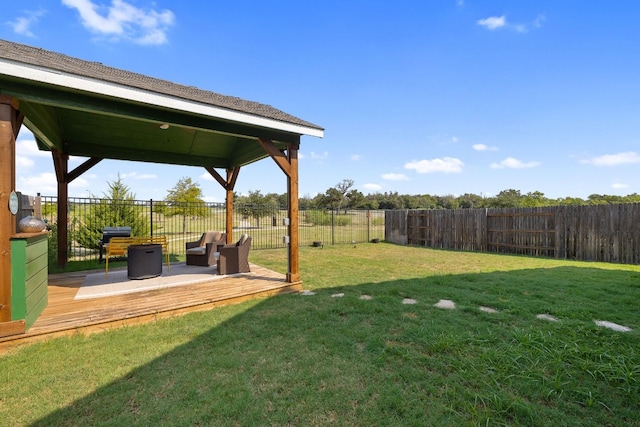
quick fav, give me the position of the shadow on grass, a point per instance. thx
(323, 359)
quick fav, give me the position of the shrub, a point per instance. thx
(318, 217)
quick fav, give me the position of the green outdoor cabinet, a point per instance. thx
(29, 276)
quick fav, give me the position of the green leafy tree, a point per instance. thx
(447, 202)
(160, 207)
(335, 197)
(471, 201)
(256, 206)
(185, 199)
(343, 188)
(355, 198)
(508, 199)
(570, 201)
(117, 208)
(390, 201)
(535, 199)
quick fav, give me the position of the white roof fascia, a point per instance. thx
(87, 84)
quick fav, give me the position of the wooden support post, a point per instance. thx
(232, 175)
(10, 120)
(228, 184)
(289, 165)
(60, 163)
(294, 241)
(229, 221)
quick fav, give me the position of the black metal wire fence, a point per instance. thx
(181, 223)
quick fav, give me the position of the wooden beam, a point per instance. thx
(231, 179)
(10, 120)
(278, 156)
(214, 173)
(61, 162)
(82, 168)
(14, 327)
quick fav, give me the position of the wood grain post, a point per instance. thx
(229, 202)
(289, 165)
(9, 127)
(292, 185)
(61, 165)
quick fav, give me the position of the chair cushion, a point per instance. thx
(200, 250)
(210, 237)
(243, 239)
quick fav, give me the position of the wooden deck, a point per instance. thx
(66, 316)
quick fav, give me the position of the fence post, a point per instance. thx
(368, 225)
(333, 227)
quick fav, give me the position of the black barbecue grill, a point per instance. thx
(109, 232)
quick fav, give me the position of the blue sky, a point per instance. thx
(416, 97)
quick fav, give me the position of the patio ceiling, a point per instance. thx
(87, 109)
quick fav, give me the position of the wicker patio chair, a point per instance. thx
(235, 258)
(201, 252)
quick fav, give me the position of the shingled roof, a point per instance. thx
(94, 70)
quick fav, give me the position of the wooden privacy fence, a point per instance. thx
(607, 233)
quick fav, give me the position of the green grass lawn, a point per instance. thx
(345, 361)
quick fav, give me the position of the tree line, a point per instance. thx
(343, 196)
(185, 199)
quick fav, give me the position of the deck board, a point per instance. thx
(66, 316)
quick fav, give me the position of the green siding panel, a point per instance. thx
(36, 281)
(34, 269)
(36, 249)
(35, 312)
(18, 279)
(36, 302)
(29, 277)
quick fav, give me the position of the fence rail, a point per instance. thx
(186, 222)
(607, 233)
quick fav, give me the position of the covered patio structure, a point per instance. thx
(80, 108)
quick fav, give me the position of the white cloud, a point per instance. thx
(72, 159)
(537, 23)
(322, 156)
(22, 25)
(482, 147)
(26, 150)
(446, 165)
(513, 163)
(395, 177)
(24, 162)
(121, 20)
(493, 22)
(372, 187)
(628, 157)
(520, 28)
(43, 183)
(356, 157)
(619, 186)
(28, 147)
(497, 22)
(135, 175)
(79, 184)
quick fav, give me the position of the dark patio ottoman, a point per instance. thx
(144, 261)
